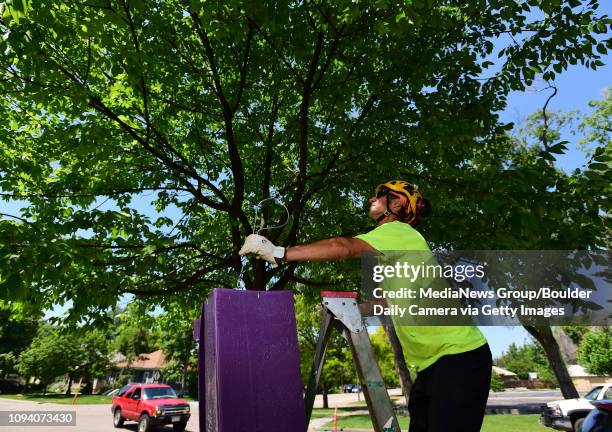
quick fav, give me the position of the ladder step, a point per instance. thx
(339, 294)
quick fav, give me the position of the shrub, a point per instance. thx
(497, 384)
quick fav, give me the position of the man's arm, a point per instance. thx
(331, 249)
(335, 248)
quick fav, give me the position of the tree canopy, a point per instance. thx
(139, 135)
(51, 354)
(15, 337)
(595, 351)
(525, 359)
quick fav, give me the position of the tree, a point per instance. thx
(136, 330)
(338, 368)
(78, 352)
(208, 109)
(576, 333)
(133, 341)
(96, 346)
(548, 209)
(595, 352)
(384, 357)
(516, 361)
(50, 355)
(525, 359)
(398, 357)
(15, 336)
(178, 345)
(212, 108)
(596, 127)
(497, 384)
(593, 184)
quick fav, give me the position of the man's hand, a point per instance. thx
(263, 248)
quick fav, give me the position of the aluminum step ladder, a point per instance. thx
(341, 311)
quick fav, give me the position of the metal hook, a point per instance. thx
(262, 227)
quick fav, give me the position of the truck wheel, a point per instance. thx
(179, 427)
(578, 425)
(144, 423)
(117, 419)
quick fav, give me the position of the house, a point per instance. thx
(146, 368)
(505, 375)
(585, 381)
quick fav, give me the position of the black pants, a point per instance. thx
(451, 394)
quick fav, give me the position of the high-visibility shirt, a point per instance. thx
(422, 345)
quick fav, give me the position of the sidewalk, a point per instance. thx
(316, 425)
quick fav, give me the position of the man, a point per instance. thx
(451, 364)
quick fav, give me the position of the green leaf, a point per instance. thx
(597, 166)
(11, 287)
(601, 48)
(546, 155)
(558, 148)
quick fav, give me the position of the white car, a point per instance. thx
(569, 414)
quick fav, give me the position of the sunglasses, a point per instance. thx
(383, 192)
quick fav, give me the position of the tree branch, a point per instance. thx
(243, 69)
(102, 193)
(166, 291)
(305, 196)
(143, 83)
(294, 206)
(21, 220)
(330, 56)
(236, 163)
(277, 51)
(311, 283)
(282, 281)
(96, 103)
(544, 135)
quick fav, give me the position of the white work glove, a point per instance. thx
(264, 248)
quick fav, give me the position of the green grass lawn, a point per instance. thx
(492, 423)
(321, 412)
(62, 399)
(329, 412)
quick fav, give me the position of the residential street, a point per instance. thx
(89, 418)
(98, 418)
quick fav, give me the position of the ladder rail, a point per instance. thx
(345, 315)
(319, 359)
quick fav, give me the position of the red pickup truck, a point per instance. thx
(150, 405)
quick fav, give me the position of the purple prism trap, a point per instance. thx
(249, 365)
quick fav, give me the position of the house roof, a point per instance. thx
(578, 371)
(117, 358)
(154, 360)
(502, 372)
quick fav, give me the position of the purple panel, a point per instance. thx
(210, 367)
(252, 368)
(202, 372)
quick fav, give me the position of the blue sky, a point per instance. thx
(576, 87)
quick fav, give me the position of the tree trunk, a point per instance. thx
(88, 389)
(398, 356)
(325, 401)
(69, 385)
(543, 334)
(184, 378)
